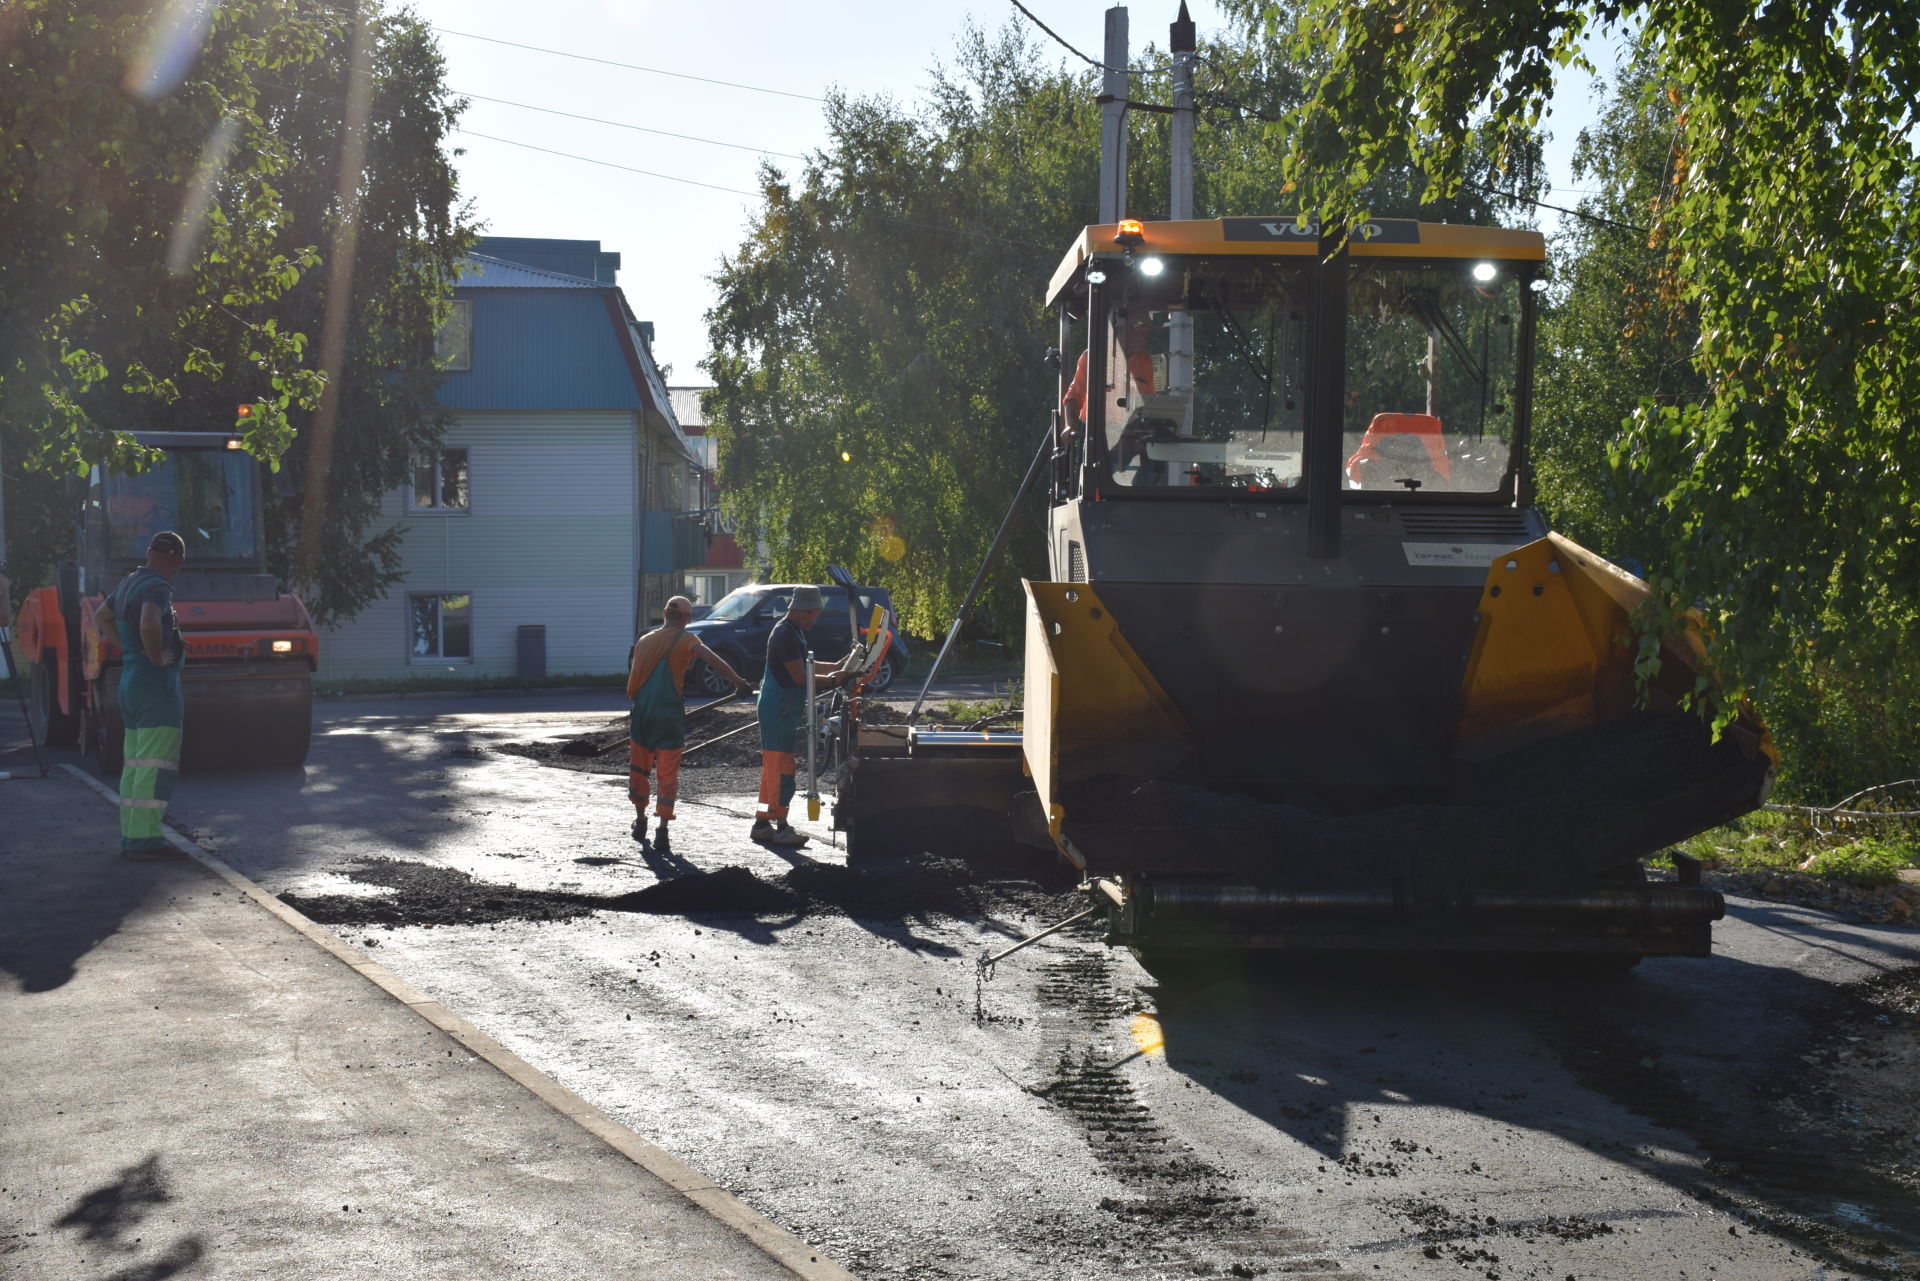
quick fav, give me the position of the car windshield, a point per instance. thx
(736, 604)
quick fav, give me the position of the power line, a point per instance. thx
(1090, 61)
(711, 142)
(904, 222)
(628, 66)
(566, 155)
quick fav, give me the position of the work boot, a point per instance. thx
(639, 830)
(660, 841)
(762, 831)
(784, 836)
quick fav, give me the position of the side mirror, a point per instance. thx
(840, 577)
(1052, 359)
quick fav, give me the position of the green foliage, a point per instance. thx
(1863, 862)
(877, 341)
(164, 248)
(1783, 227)
(1617, 335)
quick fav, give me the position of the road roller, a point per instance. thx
(1309, 670)
(251, 649)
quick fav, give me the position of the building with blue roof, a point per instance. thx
(557, 516)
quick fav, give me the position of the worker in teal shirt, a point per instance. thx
(783, 712)
(657, 725)
(141, 611)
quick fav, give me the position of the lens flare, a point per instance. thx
(174, 36)
(183, 242)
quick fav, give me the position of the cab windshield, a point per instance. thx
(204, 495)
(1206, 368)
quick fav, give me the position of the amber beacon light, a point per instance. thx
(1130, 232)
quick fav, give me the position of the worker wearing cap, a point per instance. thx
(140, 610)
(657, 725)
(783, 711)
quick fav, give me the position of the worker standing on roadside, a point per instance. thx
(657, 726)
(140, 610)
(783, 713)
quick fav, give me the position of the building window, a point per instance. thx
(453, 344)
(706, 589)
(442, 627)
(440, 481)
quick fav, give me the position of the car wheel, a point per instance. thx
(706, 680)
(883, 675)
(107, 732)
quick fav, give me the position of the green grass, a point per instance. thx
(957, 712)
(424, 684)
(1766, 841)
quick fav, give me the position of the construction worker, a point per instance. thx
(140, 610)
(657, 726)
(1133, 344)
(783, 712)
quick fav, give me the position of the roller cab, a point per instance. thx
(251, 648)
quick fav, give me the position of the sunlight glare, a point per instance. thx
(174, 36)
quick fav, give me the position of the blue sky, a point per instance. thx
(671, 234)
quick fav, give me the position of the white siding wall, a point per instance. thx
(548, 538)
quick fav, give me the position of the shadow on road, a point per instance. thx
(1699, 1053)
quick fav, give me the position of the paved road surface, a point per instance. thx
(1074, 1118)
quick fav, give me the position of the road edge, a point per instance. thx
(768, 1237)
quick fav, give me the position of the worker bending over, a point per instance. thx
(140, 610)
(657, 726)
(783, 711)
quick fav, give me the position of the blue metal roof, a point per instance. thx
(583, 258)
(483, 272)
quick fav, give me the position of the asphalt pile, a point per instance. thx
(909, 889)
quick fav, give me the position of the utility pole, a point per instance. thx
(1113, 120)
(1180, 40)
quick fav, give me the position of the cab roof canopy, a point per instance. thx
(1283, 236)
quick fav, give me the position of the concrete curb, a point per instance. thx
(769, 1237)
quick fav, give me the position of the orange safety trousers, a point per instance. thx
(642, 761)
(776, 785)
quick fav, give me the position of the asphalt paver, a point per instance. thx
(199, 1083)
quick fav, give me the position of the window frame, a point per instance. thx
(440, 638)
(463, 362)
(437, 464)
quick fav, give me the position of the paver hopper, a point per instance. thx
(1311, 672)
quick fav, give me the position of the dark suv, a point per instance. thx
(739, 624)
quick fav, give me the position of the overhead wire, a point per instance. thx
(629, 66)
(567, 155)
(620, 124)
(1090, 61)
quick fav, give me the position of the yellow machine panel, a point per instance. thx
(1092, 707)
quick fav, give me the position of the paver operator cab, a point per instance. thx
(1310, 671)
(250, 648)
